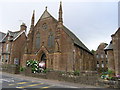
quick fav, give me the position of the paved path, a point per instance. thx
(25, 82)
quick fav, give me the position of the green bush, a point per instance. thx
(77, 73)
(33, 64)
(22, 69)
(110, 72)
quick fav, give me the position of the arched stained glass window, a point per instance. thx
(51, 40)
(38, 40)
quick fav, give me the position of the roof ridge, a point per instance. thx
(45, 12)
(44, 18)
(19, 35)
(2, 32)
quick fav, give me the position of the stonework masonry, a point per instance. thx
(116, 50)
(101, 58)
(113, 53)
(50, 41)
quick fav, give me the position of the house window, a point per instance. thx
(102, 65)
(38, 40)
(7, 57)
(9, 38)
(50, 40)
(2, 58)
(102, 56)
(7, 47)
(106, 62)
(106, 56)
(97, 64)
(97, 56)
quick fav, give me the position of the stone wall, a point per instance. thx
(111, 62)
(116, 50)
(14, 69)
(88, 78)
(27, 57)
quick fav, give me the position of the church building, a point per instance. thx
(50, 41)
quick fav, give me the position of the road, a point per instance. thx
(26, 83)
(13, 82)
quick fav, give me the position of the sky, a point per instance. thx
(92, 21)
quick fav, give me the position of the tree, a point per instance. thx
(93, 51)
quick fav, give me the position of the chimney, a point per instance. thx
(23, 27)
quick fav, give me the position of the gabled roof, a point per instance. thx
(109, 47)
(3, 33)
(118, 30)
(46, 14)
(14, 35)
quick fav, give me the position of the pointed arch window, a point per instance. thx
(38, 40)
(51, 40)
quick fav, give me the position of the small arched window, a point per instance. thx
(38, 40)
(51, 40)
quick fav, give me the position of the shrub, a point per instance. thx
(77, 73)
(22, 69)
(33, 64)
(110, 71)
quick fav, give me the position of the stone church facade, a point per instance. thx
(50, 41)
(113, 53)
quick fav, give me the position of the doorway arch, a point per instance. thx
(42, 55)
(43, 58)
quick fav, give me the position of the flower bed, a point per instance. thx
(109, 75)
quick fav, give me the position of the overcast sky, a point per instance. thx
(92, 22)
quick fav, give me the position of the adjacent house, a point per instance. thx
(50, 41)
(1, 37)
(113, 53)
(101, 58)
(13, 46)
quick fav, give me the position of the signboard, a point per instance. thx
(16, 61)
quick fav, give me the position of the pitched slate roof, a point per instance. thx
(14, 35)
(2, 35)
(46, 14)
(109, 47)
